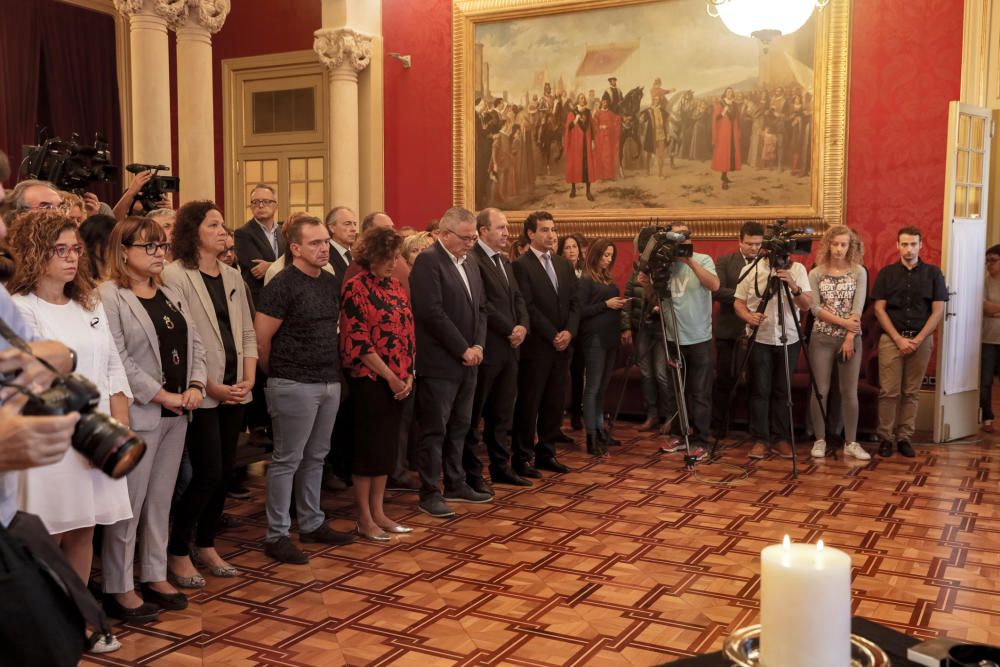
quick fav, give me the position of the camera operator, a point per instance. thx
(692, 281)
(126, 204)
(769, 418)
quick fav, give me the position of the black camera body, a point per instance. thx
(782, 243)
(152, 192)
(660, 248)
(69, 165)
(107, 444)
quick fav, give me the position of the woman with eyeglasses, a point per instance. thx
(219, 310)
(165, 365)
(57, 298)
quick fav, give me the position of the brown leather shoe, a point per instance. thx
(784, 449)
(650, 425)
(758, 451)
(665, 429)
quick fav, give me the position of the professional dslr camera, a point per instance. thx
(154, 189)
(107, 444)
(660, 247)
(781, 243)
(67, 164)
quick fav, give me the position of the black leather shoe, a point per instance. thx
(885, 449)
(165, 601)
(607, 440)
(144, 613)
(550, 463)
(595, 447)
(563, 438)
(509, 477)
(480, 485)
(576, 422)
(526, 470)
(906, 449)
(326, 535)
(284, 551)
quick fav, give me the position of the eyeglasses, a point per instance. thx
(151, 247)
(227, 251)
(62, 251)
(262, 202)
(49, 206)
(468, 239)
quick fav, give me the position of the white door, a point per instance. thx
(963, 252)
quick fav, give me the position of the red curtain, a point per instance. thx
(65, 62)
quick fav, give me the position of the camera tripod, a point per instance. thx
(776, 288)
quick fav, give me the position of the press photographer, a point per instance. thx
(148, 191)
(679, 283)
(777, 334)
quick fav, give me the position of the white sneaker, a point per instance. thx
(819, 449)
(857, 451)
(106, 644)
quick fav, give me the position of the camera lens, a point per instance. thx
(109, 445)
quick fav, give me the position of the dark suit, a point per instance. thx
(727, 329)
(496, 387)
(448, 322)
(543, 371)
(251, 243)
(339, 264)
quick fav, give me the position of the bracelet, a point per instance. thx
(200, 388)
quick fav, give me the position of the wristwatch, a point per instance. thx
(797, 293)
(199, 388)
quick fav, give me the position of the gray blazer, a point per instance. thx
(139, 349)
(201, 313)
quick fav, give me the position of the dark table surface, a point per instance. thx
(892, 642)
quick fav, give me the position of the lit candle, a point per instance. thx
(805, 606)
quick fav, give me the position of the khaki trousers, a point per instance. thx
(899, 380)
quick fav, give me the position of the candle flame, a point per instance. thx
(787, 542)
(819, 545)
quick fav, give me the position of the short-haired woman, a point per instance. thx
(840, 285)
(600, 329)
(376, 349)
(219, 310)
(165, 365)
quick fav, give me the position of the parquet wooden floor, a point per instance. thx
(625, 561)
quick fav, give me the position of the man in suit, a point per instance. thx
(728, 326)
(549, 285)
(449, 311)
(506, 328)
(342, 223)
(259, 242)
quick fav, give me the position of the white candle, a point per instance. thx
(805, 606)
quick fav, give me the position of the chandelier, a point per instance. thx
(763, 19)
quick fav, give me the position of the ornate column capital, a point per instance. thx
(343, 47)
(207, 14)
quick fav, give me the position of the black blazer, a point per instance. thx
(339, 263)
(728, 325)
(505, 307)
(448, 322)
(550, 311)
(251, 243)
(597, 321)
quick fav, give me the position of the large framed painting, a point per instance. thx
(614, 114)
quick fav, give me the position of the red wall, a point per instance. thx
(906, 67)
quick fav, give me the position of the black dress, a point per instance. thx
(171, 334)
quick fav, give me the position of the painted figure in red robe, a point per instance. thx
(607, 133)
(726, 136)
(579, 145)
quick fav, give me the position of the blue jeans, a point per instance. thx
(599, 362)
(653, 367)
(769, 418)
(698, 388)
(989, 368)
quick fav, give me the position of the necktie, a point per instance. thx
(499, 263)
(348, 257)
(549, 269)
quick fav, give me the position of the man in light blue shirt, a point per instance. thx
(692, 281)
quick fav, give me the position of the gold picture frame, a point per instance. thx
(829, 133)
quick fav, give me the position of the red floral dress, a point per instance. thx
(375, 316)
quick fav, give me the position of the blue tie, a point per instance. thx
(549, 269)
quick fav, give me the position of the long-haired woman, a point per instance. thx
(600, 329)
(574, 247)
(840, 285)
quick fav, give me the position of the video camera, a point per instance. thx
(781, 243)
(154, 189)
(67, 164)
(660, 247)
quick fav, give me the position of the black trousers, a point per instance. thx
(769, 418)
(726, 365)
(577, 366)
(444, 408)
(494, 404)
(211, 444)
(341, 453)
(541, 396)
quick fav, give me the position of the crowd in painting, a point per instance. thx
(370, 358)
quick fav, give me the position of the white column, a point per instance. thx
(195, 130)
(150, 79)
(345, 53)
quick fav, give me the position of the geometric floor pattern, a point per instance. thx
(629, 560)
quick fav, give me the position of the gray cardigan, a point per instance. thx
(139, 349)
(201, 313)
